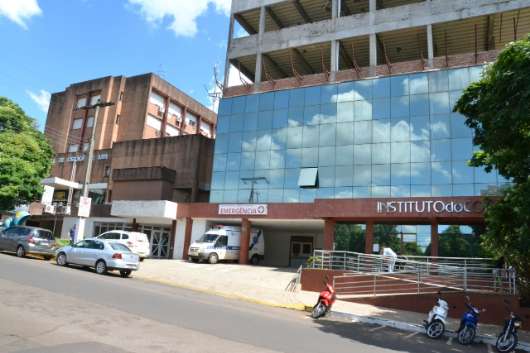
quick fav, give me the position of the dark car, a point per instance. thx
(23, 240)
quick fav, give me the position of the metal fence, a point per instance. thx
(367, 274)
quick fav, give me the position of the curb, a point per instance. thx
(299, 307)
(410, 327)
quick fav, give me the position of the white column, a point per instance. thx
(373, 38)
(228, 43)
(257, 76)
(430, 46)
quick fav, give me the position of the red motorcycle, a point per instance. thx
(325, 301)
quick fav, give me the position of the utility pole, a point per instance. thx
(253, 182)
(81, 221)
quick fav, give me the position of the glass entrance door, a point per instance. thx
(300, 251)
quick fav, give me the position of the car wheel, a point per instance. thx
(213, 258)
(20, 251)
(254, 260)
(142, 259)
(61, 259)
(101, 267)
(47, 258)
(125, 273)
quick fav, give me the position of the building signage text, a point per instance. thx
(246, 209)
(428, 206)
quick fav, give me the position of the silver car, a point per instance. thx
(102, 255)
(23, 240)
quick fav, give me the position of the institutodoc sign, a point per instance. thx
(428, 206)
(246, 209)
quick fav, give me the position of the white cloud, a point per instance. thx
(19, 11)
(181, 14)
(42, 99)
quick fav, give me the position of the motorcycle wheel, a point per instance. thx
(435, 329)
(318, 310)
(506, 345)
(466, 335)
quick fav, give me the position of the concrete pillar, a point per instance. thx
(329, 234)
(228, 43)
(244, 241)
(334, 59)
(259, 56)
(430, 46)
(434, 238)
(187, 237)
(369, 238)
(373, 37)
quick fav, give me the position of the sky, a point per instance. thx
(49, 44)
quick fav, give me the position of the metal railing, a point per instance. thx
(367, 274)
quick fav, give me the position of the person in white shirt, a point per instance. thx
(390, 257)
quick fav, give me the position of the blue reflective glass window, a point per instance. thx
(275, 195)
(295, 117)
(400, 174)
(399, 85)
(362, 132)
(380, 191)
(361, 192)
(265, 120)
(362, 175)
(266, 101)
(243, 195)
(345, 92)
(233, 161)
(291, 178)
(294, 137)
(252, 103)
(230, 196)
(262, 159)
(441, 150)
(442, 190)
(462, 149)
(381, 174)
(344, 193)
(344, 155)
(419, 104)
(362, 154)
(381, 108)
(235, 142)
(250, 122)
(463, 190)
(312, 115)
(293, 158)
(420, 174)
(328, 114)
(343, 176)
(400, 130)
(440, 103)
(483, 189)
(328, 94)
(363, 90)
(216, 196)
(326, 156)
(238, 104)
(458, 126)
(279, 139)
(225, 107)
(420, 127)
(399, 107)
(276, 177)
(381, 87)
(326, 177)
(381, 153)
(344, 134)
(475, 73)
(279, 119)
(308, 195)
(247, 160)
(441, 172)
(438, 81)
(381, 131)
(277, 159)
(221, 143)
(481, 176)
(440, 127)
(219, 162)
(419, 83)
(454, 96)
(310, 157)
(400, 191)
(236, 122)
(281, 100)
(462, 173)
(312, 95)
(400, 152)
(420, 190)
(345, 112)
(248, 142)
(231, 180)
(291, 195)
(458, 78)
(420, 151)
(296, 98)
(223, 124)
(362, 110)
(325, 193)
(327, 135)
(263, 140)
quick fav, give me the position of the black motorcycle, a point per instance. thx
(507, 340)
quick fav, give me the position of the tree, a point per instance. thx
(453, 243)
(349, 237)
(497, 108)
(25, 156)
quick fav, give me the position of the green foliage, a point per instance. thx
(349, 237)
(497, 108)
(25, 156)
(453, 243)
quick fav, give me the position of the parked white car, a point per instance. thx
(102, 255)
(136, 241)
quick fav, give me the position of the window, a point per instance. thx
(119, 247)
(95, 99)
(107, 171)
(111, 236)
(81, 102)
(154, 122)
(191, 119)
(308, 177)
(205, 128)
(176, 111)
(157, 100)
(73, 148)
(171, 131)
(90, 121)
(86, 145)
(222, 242)
(78, 124)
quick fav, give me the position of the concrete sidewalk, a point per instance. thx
(278, 287)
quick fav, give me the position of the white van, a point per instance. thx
(136, 241)
(223, 242)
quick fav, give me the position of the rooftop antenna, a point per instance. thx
(253, 181)
(216, 93)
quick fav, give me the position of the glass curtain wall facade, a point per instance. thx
(384, 137)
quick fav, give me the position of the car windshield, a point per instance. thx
(207, 238)
(119, 247)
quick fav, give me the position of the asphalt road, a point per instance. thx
(46, 308)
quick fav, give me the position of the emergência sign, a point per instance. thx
(428, 206)
(247, 209)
